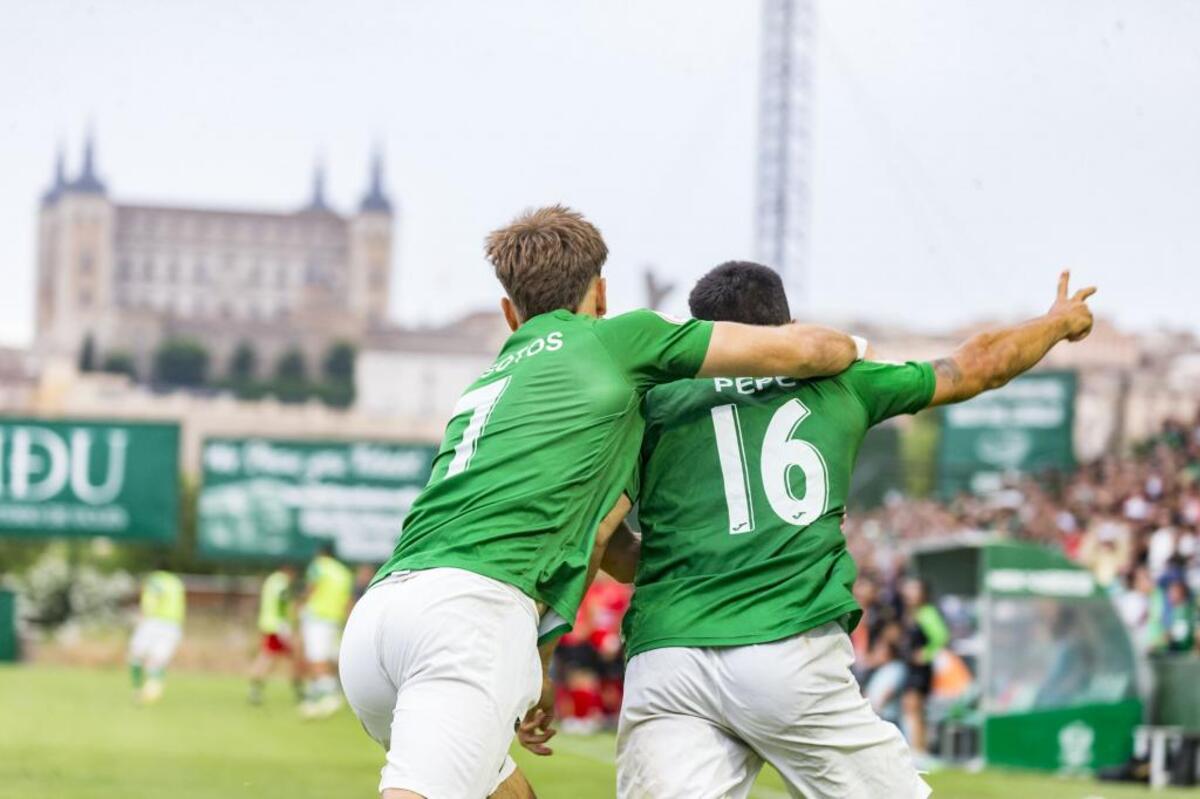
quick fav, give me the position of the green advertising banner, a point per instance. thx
(106, 478)
(1071, 740)
(1026, 426)
(280, 498)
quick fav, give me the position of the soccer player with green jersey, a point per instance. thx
(439, 657)
(737, 634)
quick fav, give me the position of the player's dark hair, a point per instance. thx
(740, 291)
(546, 259)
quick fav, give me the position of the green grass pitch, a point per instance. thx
(75, 733)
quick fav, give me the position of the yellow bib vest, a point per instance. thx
(331, 586)
(163, 597)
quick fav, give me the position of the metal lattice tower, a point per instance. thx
(784, 142)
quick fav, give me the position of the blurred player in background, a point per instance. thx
(157, 635)
(440, 656)
(276, 622)
(737, 633)
(328, 585)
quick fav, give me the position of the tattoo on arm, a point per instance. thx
(948, 370)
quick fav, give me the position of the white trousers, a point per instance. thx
(439, 666)
(697, 723)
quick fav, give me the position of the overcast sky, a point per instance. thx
(964, 152)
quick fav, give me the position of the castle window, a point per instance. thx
(85, 298)
(124, 269)
(86, 265)
(148, 269)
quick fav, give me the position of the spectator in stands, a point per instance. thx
(885, 675)
(1134, 606)
(1173, 618)
(878, 613)
(1105, 549)
(925, 634)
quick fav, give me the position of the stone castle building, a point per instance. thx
(128, 276)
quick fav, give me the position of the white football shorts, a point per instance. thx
(439, 666)
(697, 723)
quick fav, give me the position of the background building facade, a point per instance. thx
(128, 276)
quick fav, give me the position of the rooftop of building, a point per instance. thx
(375, 199)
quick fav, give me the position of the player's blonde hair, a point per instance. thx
(546, 259)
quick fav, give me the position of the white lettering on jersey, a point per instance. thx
(551, 342)
(750, 385)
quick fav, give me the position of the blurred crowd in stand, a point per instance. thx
(1131, 520)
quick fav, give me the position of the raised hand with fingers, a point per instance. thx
(1073, 307)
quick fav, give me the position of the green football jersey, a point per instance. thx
(541, 446)
(744, 485)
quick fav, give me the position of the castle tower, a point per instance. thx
(370, 272)
(75, 258)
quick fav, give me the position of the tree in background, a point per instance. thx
(181, 362)
(337, 388)
(243, 366)
(243, 372)
(291, 377)
(87, 355)
(121, 363)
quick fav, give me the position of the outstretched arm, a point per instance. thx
(791, 350)
(989, 360)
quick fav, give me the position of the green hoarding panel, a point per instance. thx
(1073, 739)
(1176, 701)
(73, 477)
(9, 644)
(278, 499)
(1026, 426)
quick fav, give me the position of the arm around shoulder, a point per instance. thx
(791, 350)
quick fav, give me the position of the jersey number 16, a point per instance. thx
(780, 454)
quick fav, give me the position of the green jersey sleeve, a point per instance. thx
(654, 348)
(890, 389)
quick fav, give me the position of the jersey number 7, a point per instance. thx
(480, 402)
(780, 454)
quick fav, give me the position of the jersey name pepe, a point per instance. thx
(743, 488)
